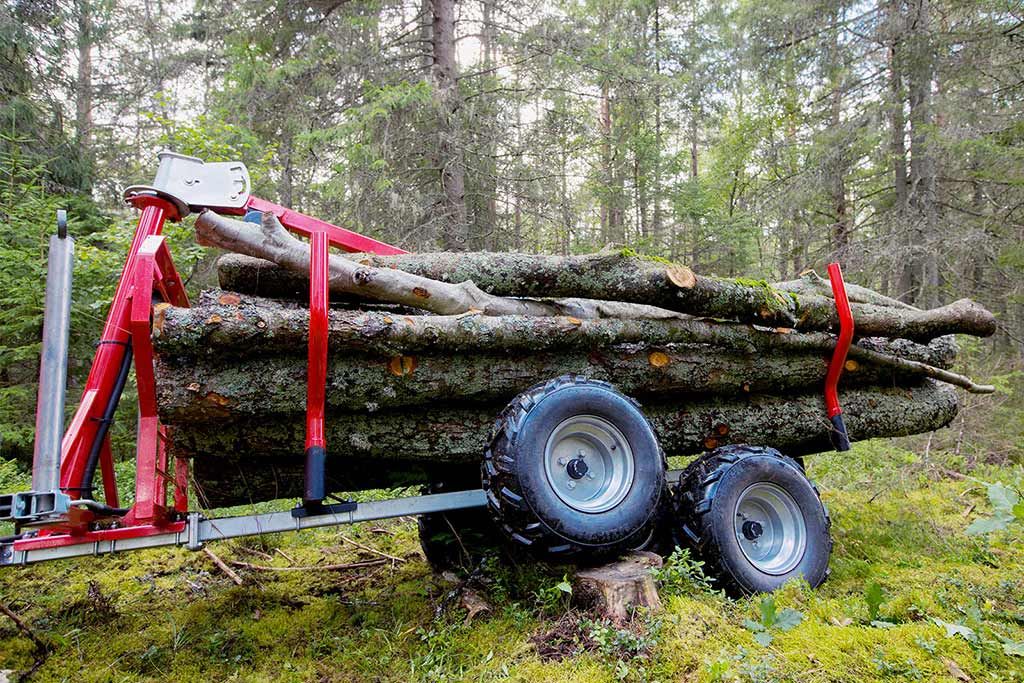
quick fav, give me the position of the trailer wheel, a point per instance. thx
(574, 471)
(755, 519)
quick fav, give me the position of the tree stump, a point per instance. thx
(614, 590)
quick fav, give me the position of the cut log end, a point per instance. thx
(617, 589)
(681, 276)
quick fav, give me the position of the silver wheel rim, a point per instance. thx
(770, 528)
(589, 464)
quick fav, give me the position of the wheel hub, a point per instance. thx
(752, 530)
(577, 468)
(589, 464)
(770, 528)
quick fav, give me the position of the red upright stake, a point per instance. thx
(316, 381)
(840, 439)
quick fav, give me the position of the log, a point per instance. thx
(621, 276)
(216, 388)
(812, 283)
(616, 590)
(251, 326)
(388, 441)
(273, 242)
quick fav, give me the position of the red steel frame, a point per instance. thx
(149, 269)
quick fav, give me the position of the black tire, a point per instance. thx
(456, 540)
(521, 497)
(707, 499)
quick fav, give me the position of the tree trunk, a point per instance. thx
(841, 227)
(253, 327)
(388, 442)
(656, 189)
(454, 221)
(206, 388)
(923, 201)
(83, 88)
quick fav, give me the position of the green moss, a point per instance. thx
(629, 252)
(173, 616)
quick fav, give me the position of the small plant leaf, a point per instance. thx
(1018, 511)
(873, 597)
(1003, 498)
(788, 619)
(565, 587)
(986, 525)
(768, 611)
(763, 637)
(752, 625)
(1012, 648)
(953, 629)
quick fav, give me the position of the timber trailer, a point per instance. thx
(574, 468)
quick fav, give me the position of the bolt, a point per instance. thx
(590, 475)
(572, 484)
(582, 453)
(562, 462)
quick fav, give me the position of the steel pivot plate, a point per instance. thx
(192, 184)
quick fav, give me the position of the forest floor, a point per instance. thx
(951, 606)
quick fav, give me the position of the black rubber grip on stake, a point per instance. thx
(840, 439)
(314, 490)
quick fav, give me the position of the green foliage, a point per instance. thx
(682, 574)
(1007, 505)
(627, 649)
(555, 597)
(26, 221)
(772, 619)
(874, 598)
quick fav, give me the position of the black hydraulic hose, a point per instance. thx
(106, 420)
(101, 508)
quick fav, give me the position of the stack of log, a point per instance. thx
(425, 351)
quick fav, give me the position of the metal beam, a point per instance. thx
(199, 530)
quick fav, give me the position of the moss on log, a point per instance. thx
(449, 436)
(622, 276)
(212, 389)
(247, 326)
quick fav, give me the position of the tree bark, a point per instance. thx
(814, 284)
(227, 323)
(608, 275)
(272, 242)
(84, 89)
(617, 589)
(215, 388)
(388, 443)
(455, 224)
(923, 200)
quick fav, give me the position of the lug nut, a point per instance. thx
(563, 462)
(590, 475)
(572, 484)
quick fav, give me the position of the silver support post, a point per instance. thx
(53, 363)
